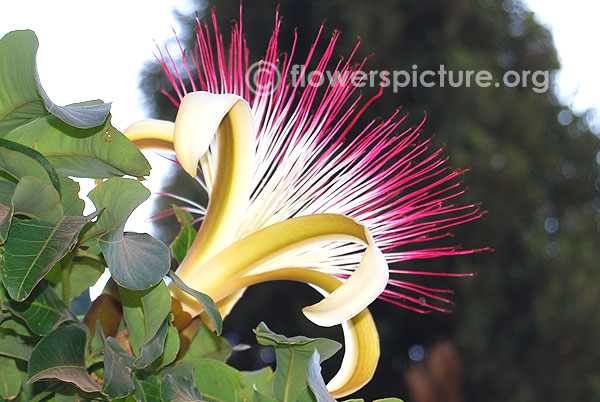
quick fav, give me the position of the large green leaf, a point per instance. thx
(14, 346)
(42, 311)
(84, 115)
(177, 388)
(15, 165)
(136, 260)
(19, 98)
(97, 152)
(68, 365)
(207, 345)
(217, 381)
(186, 236)
(34, 155)
(10, 378)
(12, 323)
(151, 350)
(6, 214)
(72, 204)
(7, 190)
(32, 248)
(209, 306)
(258, 384)
(77, 139)
(293, 358)
(171, 350)
(84, 272)
(118, 197)
(37, 200)
(118, 367)
(144, 312)
(147, 387)
(22, 97)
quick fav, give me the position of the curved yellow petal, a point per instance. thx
(200, 116)
(214, 276)
(151, 134)
(361, 340)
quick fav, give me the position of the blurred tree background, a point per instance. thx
(526, 328)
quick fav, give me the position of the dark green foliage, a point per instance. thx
(50, 254)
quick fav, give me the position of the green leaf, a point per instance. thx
(159, 352)
(118, 367)
(33, 247)
(12, 323)
(66, 393)
(37, 157)
(207, 345)
(209, 306)
(307, 396)
(72, 204)
(6, 214)
(176, 388)
(42, 311)
(19, 98)
(217, 381)
(22, 97)
(315, 379)
(293, 358)
(37, 200)
(144, 312)
(80, 116)
(68, 365)
(258, 384)
(14, 346)
(92, 147)
(147, 387)
(16, 165)
(389, 400)
(7, 190)
(151, 350)
(97, 152)
(136, 261)
(186, 236)
(171, 348)
(85, 272)
(98, 339)
(10, 378)
(118, 197)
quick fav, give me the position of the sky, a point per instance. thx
(96, 49)
(576, 30)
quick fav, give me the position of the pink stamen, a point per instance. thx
(391, 181)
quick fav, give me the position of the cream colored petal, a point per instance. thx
(361, 341)
(151, 134)
(214, 276)
(202, 115)
(199, 117)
